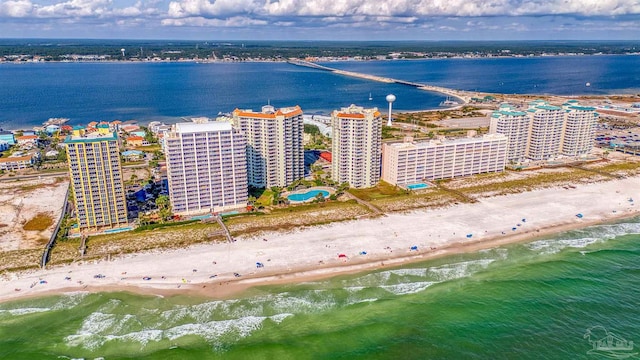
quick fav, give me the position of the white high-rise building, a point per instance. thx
(206, 167)
(275, 149)
(515, 126)
(411, 162)
(356, 146)
(544, 131)
(579, 129)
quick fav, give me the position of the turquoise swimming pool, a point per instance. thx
(113, 231)
(417, 186)
(308, 195)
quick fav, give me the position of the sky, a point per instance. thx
(322, 19)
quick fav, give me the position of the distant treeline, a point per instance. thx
(57, 50)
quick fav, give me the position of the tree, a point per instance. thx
(149, 137)
(276, 195)
(62, 154)
(164, 207)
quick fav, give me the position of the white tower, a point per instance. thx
(122, 50)
(390, 99)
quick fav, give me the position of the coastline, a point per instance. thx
(313, 253)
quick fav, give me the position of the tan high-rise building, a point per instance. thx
(515, 126)
(275, 150)
(578, 135)
(411, 162)
(206, 167)
(356, 146)
(544, 132)
(96, 180)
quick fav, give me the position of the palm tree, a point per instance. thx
(164, 207)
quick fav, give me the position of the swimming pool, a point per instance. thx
(417, 186)
(113, 231)
(308, 195)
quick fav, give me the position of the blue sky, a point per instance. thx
(322, 19)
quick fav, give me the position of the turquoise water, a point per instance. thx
(308, 195)
(524, 301)
(113, 231)
(418, 186)
(201, 217)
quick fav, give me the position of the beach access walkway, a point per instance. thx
(463, 96)
(227, 234)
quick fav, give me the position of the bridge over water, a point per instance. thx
(462, 96)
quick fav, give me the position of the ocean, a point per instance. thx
(544, 299)
(84, 92)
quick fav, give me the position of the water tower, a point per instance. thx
(390, 99)
(122, 50)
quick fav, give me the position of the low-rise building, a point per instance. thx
(133, 155)
(27, 140)
(136, 141)
(411, 162)
(15, 163)
(8, 137)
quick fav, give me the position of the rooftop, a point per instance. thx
(442, 142)
(214, 126)
(356, 112)
(91, 137)
(269, 112)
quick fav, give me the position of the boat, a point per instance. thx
(370, 98)
(449, 102)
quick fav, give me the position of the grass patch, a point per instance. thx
(381, 190)
(41, 222)
(20, 259)
(265, 199)
(159, 226)
(291, 217)
(149, 148)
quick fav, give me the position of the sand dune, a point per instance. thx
(315, 252)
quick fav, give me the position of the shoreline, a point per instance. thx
(314, 253)
(278, 60)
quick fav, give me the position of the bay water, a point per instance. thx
(84, 92)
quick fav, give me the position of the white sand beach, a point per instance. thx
(314, 252)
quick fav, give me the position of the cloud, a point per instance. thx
(16, 9)
(299, 15)
(422, 8)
